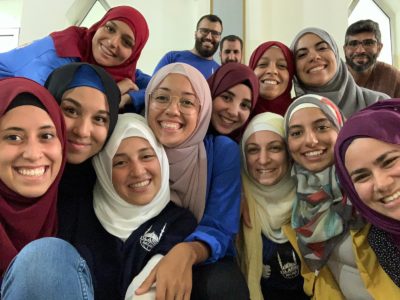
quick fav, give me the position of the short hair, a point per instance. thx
(363, 26)
(231, 38)
(211, 18)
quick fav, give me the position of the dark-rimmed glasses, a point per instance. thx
(187, 105)
(367, 43)
(205, 31)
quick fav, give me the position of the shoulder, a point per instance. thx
(220, 143)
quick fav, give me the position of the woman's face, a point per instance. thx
(376, 176)
(272, 72)
(113, 43)
(266, 157)
(315, 61)
(170, 125)
(136, 171)
(231, 109)
(30, 151)
(87, 119)
(311, 139)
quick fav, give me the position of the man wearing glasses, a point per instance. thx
(207, 37)
(362, 47)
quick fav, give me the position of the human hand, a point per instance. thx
(172, 275)
(126, 85)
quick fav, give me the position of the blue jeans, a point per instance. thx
(47, 268)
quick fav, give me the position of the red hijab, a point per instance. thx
(77, 41)
(280, 104)
(226, 77)
(22, 219)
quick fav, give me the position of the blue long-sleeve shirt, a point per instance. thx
(220, 222)
(38, 59)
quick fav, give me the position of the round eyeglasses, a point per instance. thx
(188, 104)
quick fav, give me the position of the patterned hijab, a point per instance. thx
(226, 77)
(321, 214)
(77, 41)
(188, 161)
(379, 121)
(26, 219)
(341, 89)
(117, 216)
(280, 104)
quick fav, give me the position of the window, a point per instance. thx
(8, 38)
(368, 9)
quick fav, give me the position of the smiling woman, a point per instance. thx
(373, 181)
(320, 70)
(31, 164)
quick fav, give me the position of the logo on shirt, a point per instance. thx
(150, 238)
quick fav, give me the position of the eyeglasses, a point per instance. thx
(205, 31)
(187, 105)
(367, 43)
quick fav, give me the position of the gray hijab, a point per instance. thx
(341, 89)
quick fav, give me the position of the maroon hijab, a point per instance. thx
(280, 104)
(77, 41)
(226, 77)
(26, 219)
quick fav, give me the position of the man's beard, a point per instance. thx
(364, 66)
(203, 51)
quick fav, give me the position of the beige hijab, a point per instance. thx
(188, 161)
(269, 208)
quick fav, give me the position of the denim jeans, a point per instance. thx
(48, 268)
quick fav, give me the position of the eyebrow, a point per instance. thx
(313, 122)
(76, 103)
(315, 45)
(132, 39)
(19, 129)
(140, 150)
(377, 161)
(169, 90)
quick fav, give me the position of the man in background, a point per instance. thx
(207, 37)
(231, 49)
(362, 47)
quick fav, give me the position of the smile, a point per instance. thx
(106, 51)
(314, 153)
(316, 69)
(391, 198)
(268, 81)
(31, 172)
(265, 171)
(170, 125)
(227, 120)
(140, 184)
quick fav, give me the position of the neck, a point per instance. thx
(361, 78)
(195, 52)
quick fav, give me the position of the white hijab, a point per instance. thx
(117, 216)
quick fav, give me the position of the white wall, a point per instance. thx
(172, 23)
(281, 20)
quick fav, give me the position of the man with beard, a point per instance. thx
(207, 37)
(231, 49)
(362, 47)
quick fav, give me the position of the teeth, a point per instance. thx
(316, 69)
(391, 198)
(140, 184)
(265, 171)
(168, 125)
(273, 82)
(32, 172)
(226, 120)
(314, 153)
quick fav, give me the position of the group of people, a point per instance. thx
(97, 202)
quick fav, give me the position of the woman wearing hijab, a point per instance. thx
(372, 186)
(320, 70)
(114, 43)
(203, 179)
(234, 90)
(273, 65)
(32, 160)
(322, 218)
(267, 258)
